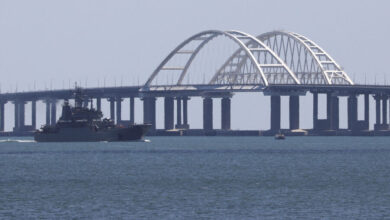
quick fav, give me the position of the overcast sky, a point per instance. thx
(47, 44)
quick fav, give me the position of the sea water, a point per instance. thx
(197, 177)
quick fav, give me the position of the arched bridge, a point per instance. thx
(273, 58)
(215, 64)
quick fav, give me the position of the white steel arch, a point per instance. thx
(256, 75)
(310, 63)
(237, 70)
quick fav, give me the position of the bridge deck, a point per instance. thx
(197, 90)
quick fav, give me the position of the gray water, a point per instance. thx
(197, 177)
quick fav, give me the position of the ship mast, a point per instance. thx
(78, 97)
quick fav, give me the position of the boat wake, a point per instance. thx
(16, 141)
(142, 140)
(32, 141)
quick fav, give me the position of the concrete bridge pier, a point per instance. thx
(366, 111)
(118, 110)
(2, 115)
(384, 113)
(53, 112)
(20, 124)
(353, 123)
(19, 115)
(168, 113)
(185, 113)
(207, 113)
(182, 113)
(47, 102)
(294, 112)
(377, 125)
(16, 116)
(150, 111)
(352, 113)
(315, 111)
(22, 114)
(225, 113)
(99, 103)
(178, 113)
(112, 108)
(333, 111)
(34, 115)
(275, 113)
(381, 110)
(132, 110)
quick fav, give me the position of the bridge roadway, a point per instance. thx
(195, 90)
(182, 93)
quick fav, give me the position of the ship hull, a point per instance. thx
(85, 134)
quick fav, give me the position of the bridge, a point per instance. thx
(276, 63)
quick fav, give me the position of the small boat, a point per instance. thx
(279, 136)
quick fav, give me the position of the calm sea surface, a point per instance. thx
(197, 177)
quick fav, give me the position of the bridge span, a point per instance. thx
(276, 64)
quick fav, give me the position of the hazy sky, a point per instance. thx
(47, 43)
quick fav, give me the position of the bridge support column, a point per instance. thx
(118, 110)
(169, 113)
(377, 125)
(315, 110)
(22, 114)
(384, 112)
(112, 108)
(16, 118)
(34, 115)
(275, 113)
(178, 112)
(225, 113)
(132, 110)
(47, 102)
(98, 103)
(333, 112)
(53, 112)
(329, 111)
(294, 112)
(352, 112)
(329, 108)
(367, 111)
(207, 113)
(2, 115)
(150, 111)
(185, 113)
(19, 115)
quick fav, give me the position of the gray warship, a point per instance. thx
(83, 124)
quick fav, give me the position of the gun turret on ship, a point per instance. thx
(80, 123)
